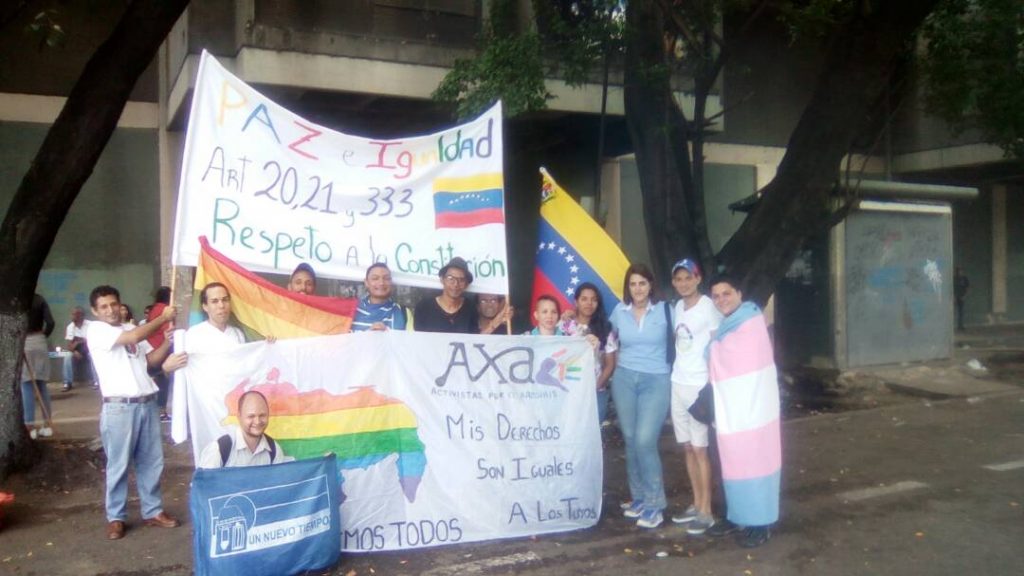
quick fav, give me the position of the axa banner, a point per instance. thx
(271, 520)
(439, 438)
(270, 189)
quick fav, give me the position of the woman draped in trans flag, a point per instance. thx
(741, 367)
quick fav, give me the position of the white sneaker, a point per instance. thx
(650, 519)
(32, 433)
(689, 515)
(46, 432)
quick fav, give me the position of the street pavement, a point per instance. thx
(921, 487)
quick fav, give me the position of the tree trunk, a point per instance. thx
(862, 56)
(13, 437)
(657, 129)
(60, 168)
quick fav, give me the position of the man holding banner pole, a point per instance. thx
(212, 335)
(129, 423)
(495, 314)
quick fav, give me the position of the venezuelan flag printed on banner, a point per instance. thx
(361, 427)
(465, 202)
(572, 249)
(265, 309)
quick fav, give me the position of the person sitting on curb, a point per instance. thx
(74, 336)
(248, 444)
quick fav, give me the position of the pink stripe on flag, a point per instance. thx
(747, 348)
(752, 453)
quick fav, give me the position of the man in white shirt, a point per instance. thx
(215, 334)
(694, 319)
(74, 342)
(129, 422)
(247, 445)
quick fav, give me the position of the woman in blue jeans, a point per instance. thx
(641, 391)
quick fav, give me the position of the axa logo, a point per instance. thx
(514, 365)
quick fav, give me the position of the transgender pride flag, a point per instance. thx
(741, 367)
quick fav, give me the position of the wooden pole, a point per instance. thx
(35, 390)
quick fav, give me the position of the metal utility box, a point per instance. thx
(878, 289)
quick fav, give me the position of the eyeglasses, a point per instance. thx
(490, 300)
(455, 279)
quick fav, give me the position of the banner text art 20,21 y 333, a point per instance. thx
(270, 189)
(439, 438)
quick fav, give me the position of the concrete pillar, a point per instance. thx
(999, 253)
(764, 173)
(611, 199)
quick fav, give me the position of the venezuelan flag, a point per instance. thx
(572, 249)
(361, 427)
(265, 309)
(465, 202)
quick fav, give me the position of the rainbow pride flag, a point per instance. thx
(265, 309)
(465, 202)
(573, 249)
(361, 427)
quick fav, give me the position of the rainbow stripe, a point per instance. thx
(362, 427)
(572, 248)
(470, 201)
(266, 309)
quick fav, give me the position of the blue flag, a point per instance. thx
(279, 519)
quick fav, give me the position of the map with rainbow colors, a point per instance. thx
(361, 427)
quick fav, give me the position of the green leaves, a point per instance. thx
(973, 69)
(508, 68)
(511, 63)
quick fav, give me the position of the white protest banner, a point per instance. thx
(439, 438)
(270, 189)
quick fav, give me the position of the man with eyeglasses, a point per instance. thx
(449, 312)
(494, 314)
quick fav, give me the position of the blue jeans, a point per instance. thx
(131, 434)
(28, 399)
(69, 368)
(642, 403)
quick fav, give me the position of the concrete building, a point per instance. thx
(368, 67)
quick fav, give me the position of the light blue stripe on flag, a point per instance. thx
(754, 501)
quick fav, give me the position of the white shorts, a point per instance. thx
(686, 427)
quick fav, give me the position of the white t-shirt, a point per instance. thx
(75, 331)
(121, 369)
(693, 333)
(205, 337)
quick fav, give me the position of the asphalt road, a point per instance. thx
(925, 487)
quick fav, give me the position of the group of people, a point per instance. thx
(656, 358)
(666, 357)
(653, 359)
